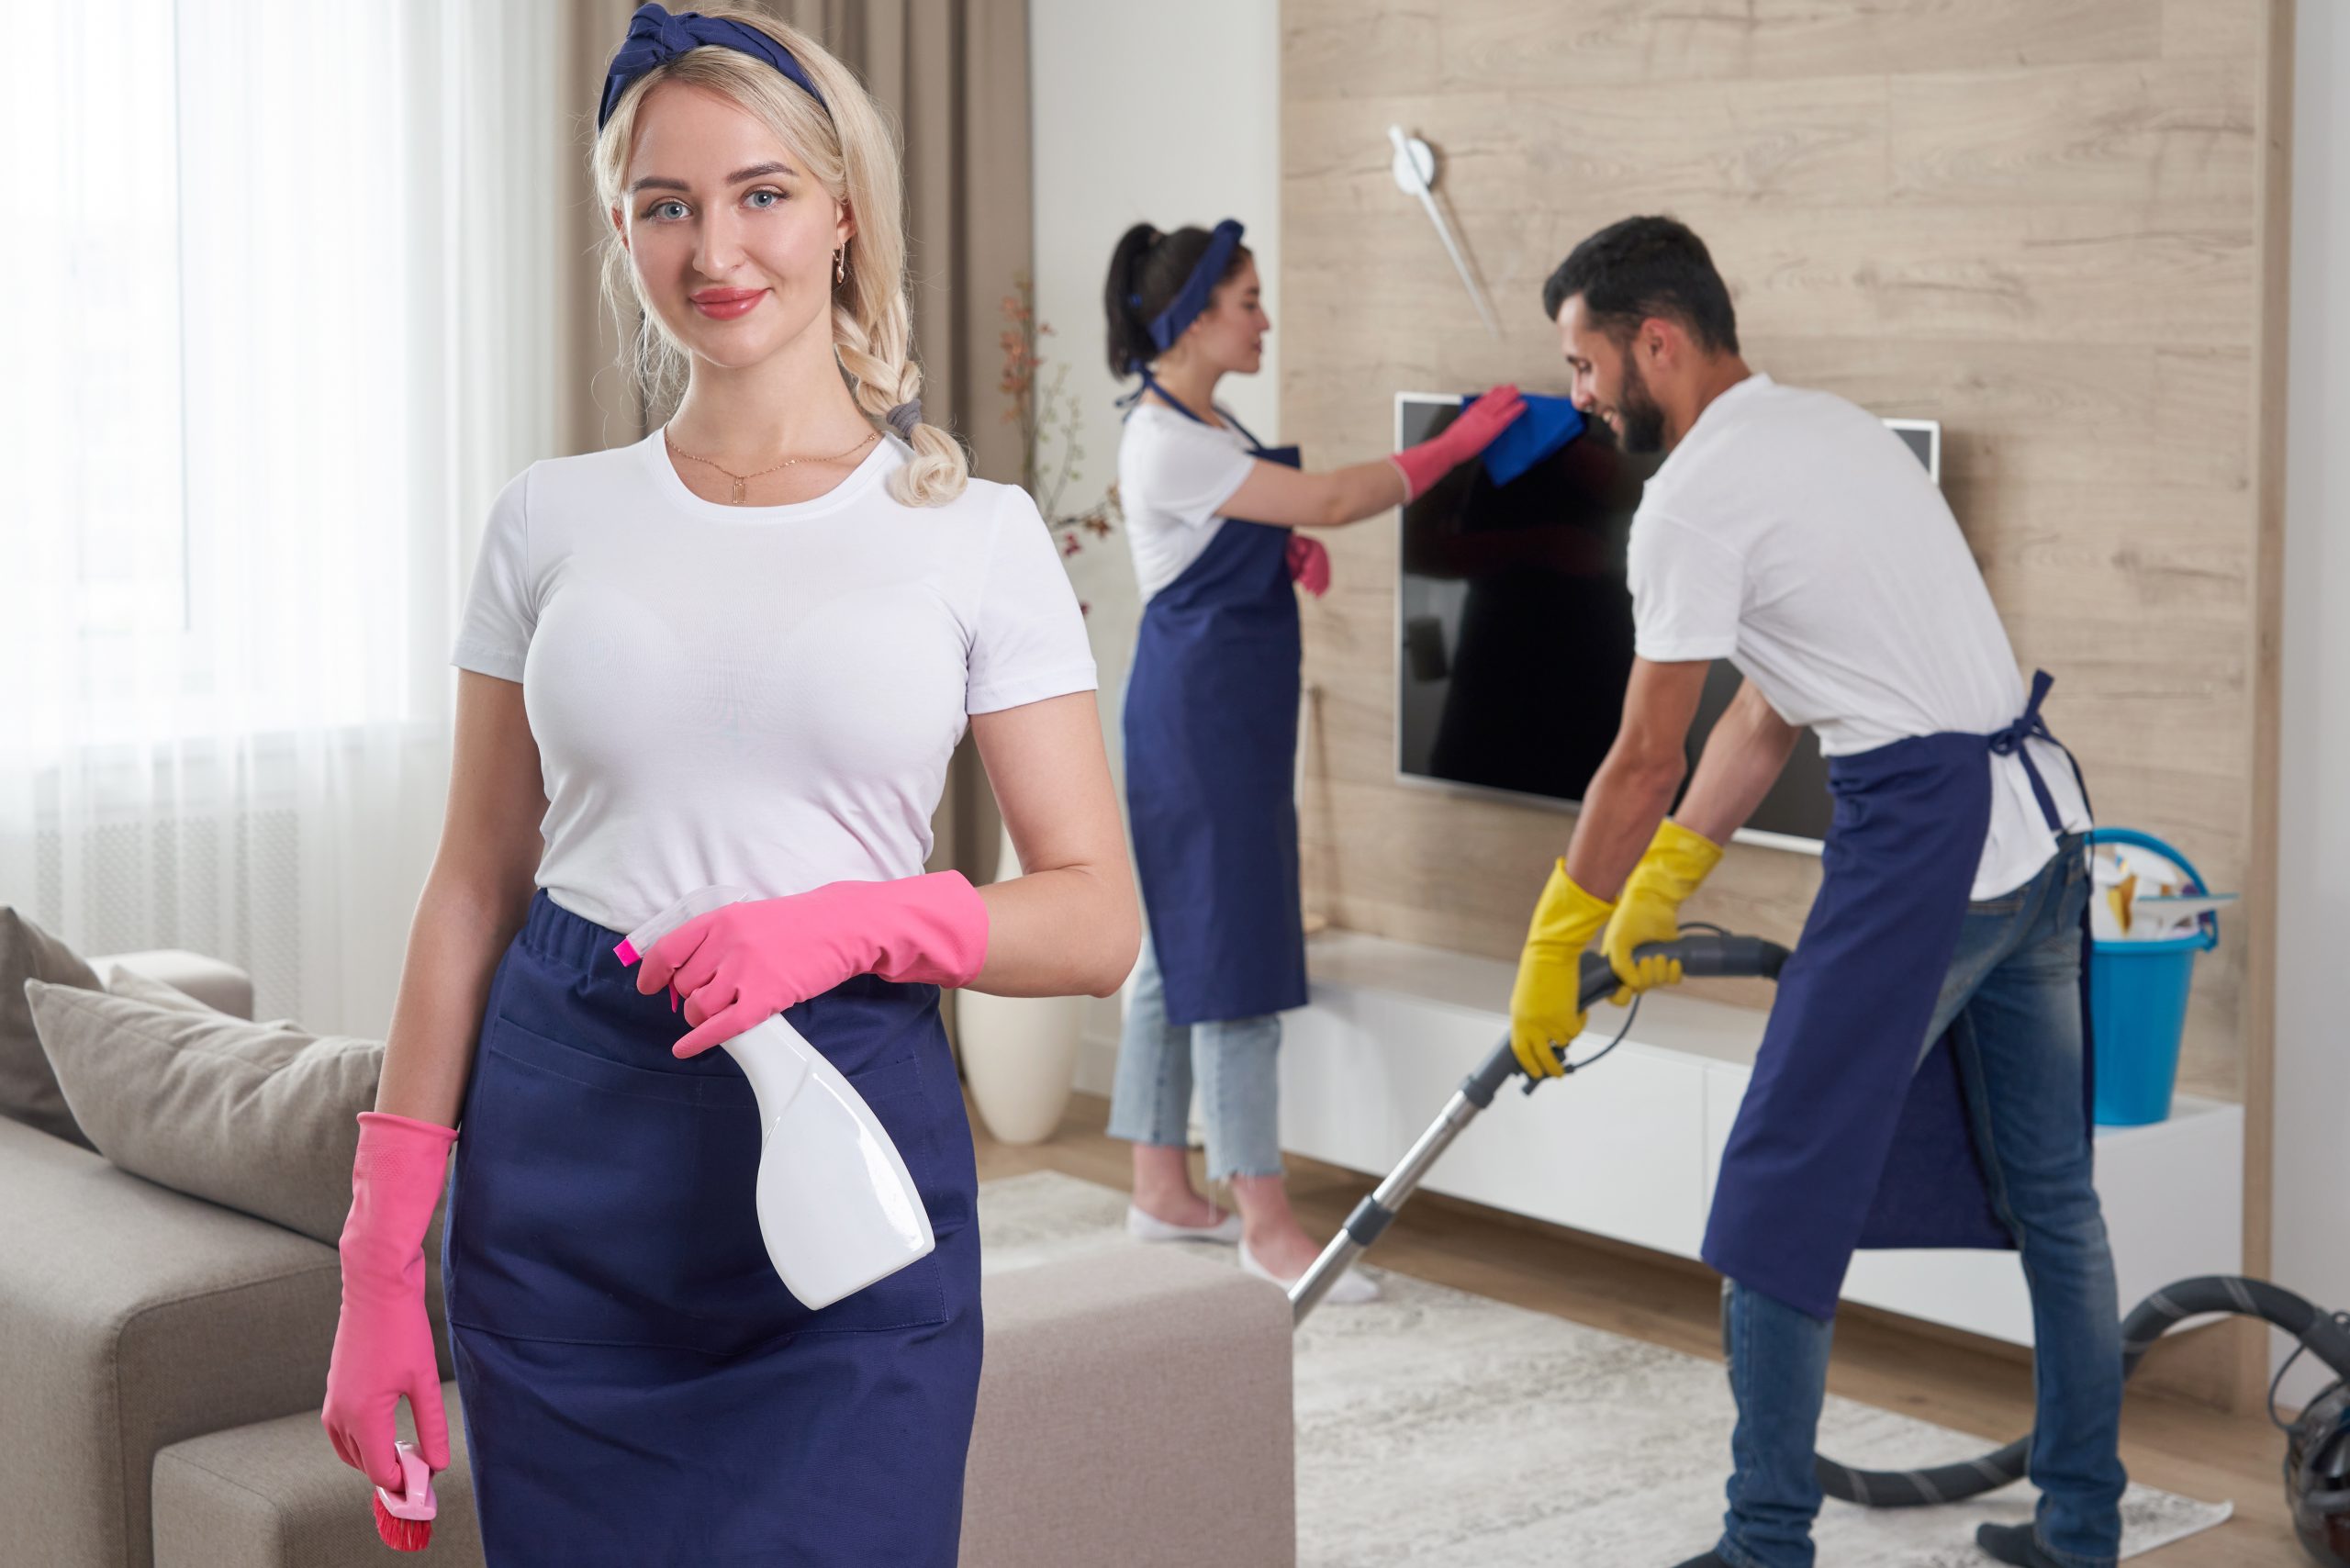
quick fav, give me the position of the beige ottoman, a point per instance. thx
(1134, 1409)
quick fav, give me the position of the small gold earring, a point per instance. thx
(840, 265)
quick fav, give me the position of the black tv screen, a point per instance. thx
(1515, 628)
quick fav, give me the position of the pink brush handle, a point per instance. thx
(415, 1500)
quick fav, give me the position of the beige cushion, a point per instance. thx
(211, 980)
(274, 1496)
(261, 1117)
(29, 1089)
(152, 992)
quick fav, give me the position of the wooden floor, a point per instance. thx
(2184, 1448)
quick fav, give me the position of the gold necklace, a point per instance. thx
(741, 479)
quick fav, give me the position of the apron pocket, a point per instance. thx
(915, 1296)
(602, 1202)
(677, 1085)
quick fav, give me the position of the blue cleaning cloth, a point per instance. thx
(1547, 425)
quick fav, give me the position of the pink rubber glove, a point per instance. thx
(383, 1341)
(1309, 565)
(743, 964)
(1474, 430)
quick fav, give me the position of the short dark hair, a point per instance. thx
(1640, 267)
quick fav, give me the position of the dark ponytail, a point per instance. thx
(1146, 271)
(1130, 344)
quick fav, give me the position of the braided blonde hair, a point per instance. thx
(850, 151)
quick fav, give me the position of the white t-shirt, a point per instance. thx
(759, 696)
(1174, 475)
(1793, 534)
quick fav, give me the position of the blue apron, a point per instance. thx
(1211, 725)
(638, 1385)
(1846, 1138)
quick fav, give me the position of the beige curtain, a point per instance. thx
(953, 77)
(599, 409)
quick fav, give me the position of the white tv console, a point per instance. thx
(1630, 1149)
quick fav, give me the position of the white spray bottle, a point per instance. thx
(836, 1207)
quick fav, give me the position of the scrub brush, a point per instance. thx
(405, 1519)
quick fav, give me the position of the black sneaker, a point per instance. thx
(2015, 1544)
(1708, 1561)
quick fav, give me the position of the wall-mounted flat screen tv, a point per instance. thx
(1514, 627)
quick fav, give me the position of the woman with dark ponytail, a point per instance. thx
(1211, 727)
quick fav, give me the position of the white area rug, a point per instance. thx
(1434, 1426)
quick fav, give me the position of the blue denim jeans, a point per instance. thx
(2017, 974)
(1236, 1061)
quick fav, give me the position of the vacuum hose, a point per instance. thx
(2327, 1337)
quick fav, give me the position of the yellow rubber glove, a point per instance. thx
(1546, 1004)
(1648, 908)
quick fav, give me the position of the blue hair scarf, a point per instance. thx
(1198, 288)
(656, 38)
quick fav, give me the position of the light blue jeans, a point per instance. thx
(1237, 1064)
(2017, 972)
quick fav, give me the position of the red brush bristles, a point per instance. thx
(399, 1534)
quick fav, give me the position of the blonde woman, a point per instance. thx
(739, 652)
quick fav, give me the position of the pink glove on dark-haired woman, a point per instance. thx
(1463, 439)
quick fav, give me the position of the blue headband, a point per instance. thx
(1193, 297)
(656, 38)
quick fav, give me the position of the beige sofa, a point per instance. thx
(161, 1361)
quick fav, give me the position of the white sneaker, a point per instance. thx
(1350, 1289)
(1150, 1227)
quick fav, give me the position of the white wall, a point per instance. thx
(1144, 113)
(2312, 1171)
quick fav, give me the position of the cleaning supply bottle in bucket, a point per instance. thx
(2141, 965)
(836, 1207)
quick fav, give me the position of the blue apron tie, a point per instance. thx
(2009, 742)
(1150, 384)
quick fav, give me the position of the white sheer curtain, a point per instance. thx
(283, 283)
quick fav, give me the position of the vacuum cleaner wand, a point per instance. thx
(1702, 956)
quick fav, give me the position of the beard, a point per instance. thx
(1643, 420)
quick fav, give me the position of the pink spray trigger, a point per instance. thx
(625, 951)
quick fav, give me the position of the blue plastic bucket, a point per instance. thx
(2138, 1004)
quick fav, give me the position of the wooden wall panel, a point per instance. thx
(1367, 48)
(2039, 222)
